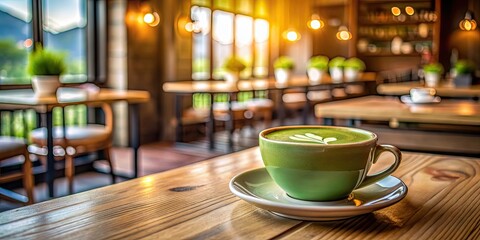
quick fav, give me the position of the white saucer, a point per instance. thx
(256, 187)
(408, 100)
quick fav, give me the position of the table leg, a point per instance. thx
(306, 108)
(211, 125)
(281, 109)
(328, 121)
(178, 115)
(50, 176)
(230, 123)
(134, 135)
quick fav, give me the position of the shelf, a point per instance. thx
(380, 40)
(388, 55)
(394, 23)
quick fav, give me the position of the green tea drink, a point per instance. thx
(322, 163)
(320, 135)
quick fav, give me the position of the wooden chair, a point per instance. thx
(78, 140)
(12, 147)
(261, 108)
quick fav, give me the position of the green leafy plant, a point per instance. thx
(318, 62)
(45, 62)
(354, 63)
(433, 68)
(284, 62)
(336, 62)
(234, 64)
(464, 67)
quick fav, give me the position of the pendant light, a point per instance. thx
(468, 23)
(315, 22)
(343, 34)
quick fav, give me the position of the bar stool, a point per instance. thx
(12, 147)
(77, 140)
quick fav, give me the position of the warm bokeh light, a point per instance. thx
(315, 24)
(468, 25)
(409, 10)
(189, 27)
(343, 33)
(148, 18)
(152, 19)
(291, 35)
(396, 11)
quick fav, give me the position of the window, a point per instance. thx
(64, 29)
(224, 30)
(74, 27)
(56, 24)
(15, 40)
(227, 30)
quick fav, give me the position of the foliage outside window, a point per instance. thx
(63, 28)
(229, 28)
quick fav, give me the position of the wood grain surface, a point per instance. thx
(25, 98)
(378, 108)
(444, 90)
(443, 202)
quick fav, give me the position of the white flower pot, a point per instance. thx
(351, 75)
(231, 77)
(432, 79)
(336, 74)
(282, 75)
(315, 75)
(45, 85)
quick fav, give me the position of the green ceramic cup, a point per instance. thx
(322, 163)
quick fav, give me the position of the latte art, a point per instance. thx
(319, 135)
(310, 137)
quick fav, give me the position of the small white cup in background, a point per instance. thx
(422, 94)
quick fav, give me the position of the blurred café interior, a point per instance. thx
(155, 75)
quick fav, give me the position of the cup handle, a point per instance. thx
(369, 179)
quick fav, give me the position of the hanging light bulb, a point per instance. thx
(343, 33)
(291, 35)
(468, 23)
(315, 22)
(148, 15)
(151, 18)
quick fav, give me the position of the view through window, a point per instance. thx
(227, 29)
(63, 29)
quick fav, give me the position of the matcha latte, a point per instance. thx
(319, 135)
(322, 163)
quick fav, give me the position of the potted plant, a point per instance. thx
(336, 69)
(432, 71)
(463, 73)
(316, 67)
(283, 67)
(45, 67)
(352, 68)
(233, 66)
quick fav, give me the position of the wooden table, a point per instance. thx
(182, 88)
(455, 113)
(26, 99)
(444, 90)
(194, 202)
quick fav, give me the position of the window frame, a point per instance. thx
(235, 12)
(96, 41)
